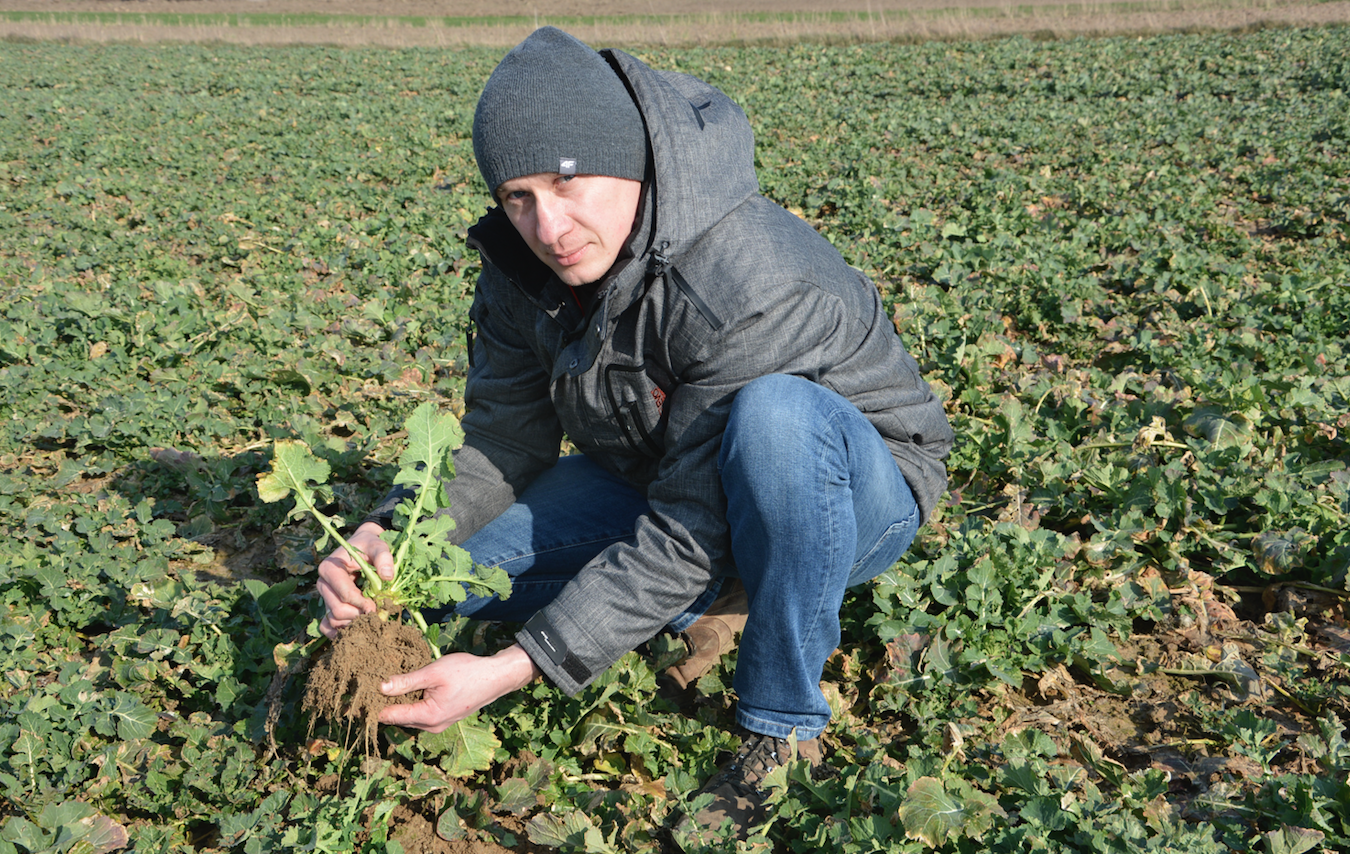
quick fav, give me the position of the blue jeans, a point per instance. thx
(816, 505)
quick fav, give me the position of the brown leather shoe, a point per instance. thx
(712, 635)
(738, 791)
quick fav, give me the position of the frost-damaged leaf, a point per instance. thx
(903, 656)
(1151, 434)
(1211, 424)
(1293, 840)
(605, 730)
(1282, 552)
(573, 830)
(519, 795)
(291, 655)
(74, 823)
(450, 826)
(104, 834)
(516, 796)
(1242, 676)
(425, 781)
(464, 747)
(1088, 754)
(932, 814)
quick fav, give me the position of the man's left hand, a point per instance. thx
(455, 686)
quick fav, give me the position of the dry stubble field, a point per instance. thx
(398, 23)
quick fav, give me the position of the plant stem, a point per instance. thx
(375, 584)
(405, 537)
(421, 624)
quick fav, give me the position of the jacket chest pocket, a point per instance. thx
(639, 407)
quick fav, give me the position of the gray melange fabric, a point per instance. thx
(643, 384)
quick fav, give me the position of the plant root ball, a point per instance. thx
(344, 684)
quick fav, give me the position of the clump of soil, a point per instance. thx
(344, 684)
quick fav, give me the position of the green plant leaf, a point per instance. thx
(573, 830)
(463, 747)
(295, 469)
(432, 435)
(134, 719)
(1215, 427)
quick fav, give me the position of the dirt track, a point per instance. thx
(677, 21)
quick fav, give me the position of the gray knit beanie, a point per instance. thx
(555, 105)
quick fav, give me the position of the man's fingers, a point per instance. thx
(402, 683)
(425, 714)
(340, 594)
(416, 715)
(330, 627)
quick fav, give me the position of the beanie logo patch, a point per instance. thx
(567, 166)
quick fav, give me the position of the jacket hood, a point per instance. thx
(702, 150)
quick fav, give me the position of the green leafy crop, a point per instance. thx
(429, 571)
(1121, 262)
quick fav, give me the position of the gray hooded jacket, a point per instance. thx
(719, 286)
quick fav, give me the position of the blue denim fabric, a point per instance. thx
(816, 505)
(570, 514)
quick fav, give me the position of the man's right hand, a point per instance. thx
(338, 574)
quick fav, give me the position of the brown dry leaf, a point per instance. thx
(644, 783)
(901, 654)
(1220, 613)
(1155, 432)
(953, 742)
(1056, 682)
(1336, 637)
(1244, 768)
(1173, 764)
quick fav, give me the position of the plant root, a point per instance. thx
(344, 685)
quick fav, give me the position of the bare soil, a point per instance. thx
(344, 686)
(677, 22)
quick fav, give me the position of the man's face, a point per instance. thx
(576, 224)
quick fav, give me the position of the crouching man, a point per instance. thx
(753, 436)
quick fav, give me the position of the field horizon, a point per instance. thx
(429, 23)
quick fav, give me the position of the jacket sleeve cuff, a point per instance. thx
(546, 646)
(383, 514)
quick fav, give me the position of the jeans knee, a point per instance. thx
(770, 394)
(773, 411)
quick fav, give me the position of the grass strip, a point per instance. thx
(266, 19)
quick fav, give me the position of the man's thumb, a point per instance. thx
(384, 565)
(402, 683)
